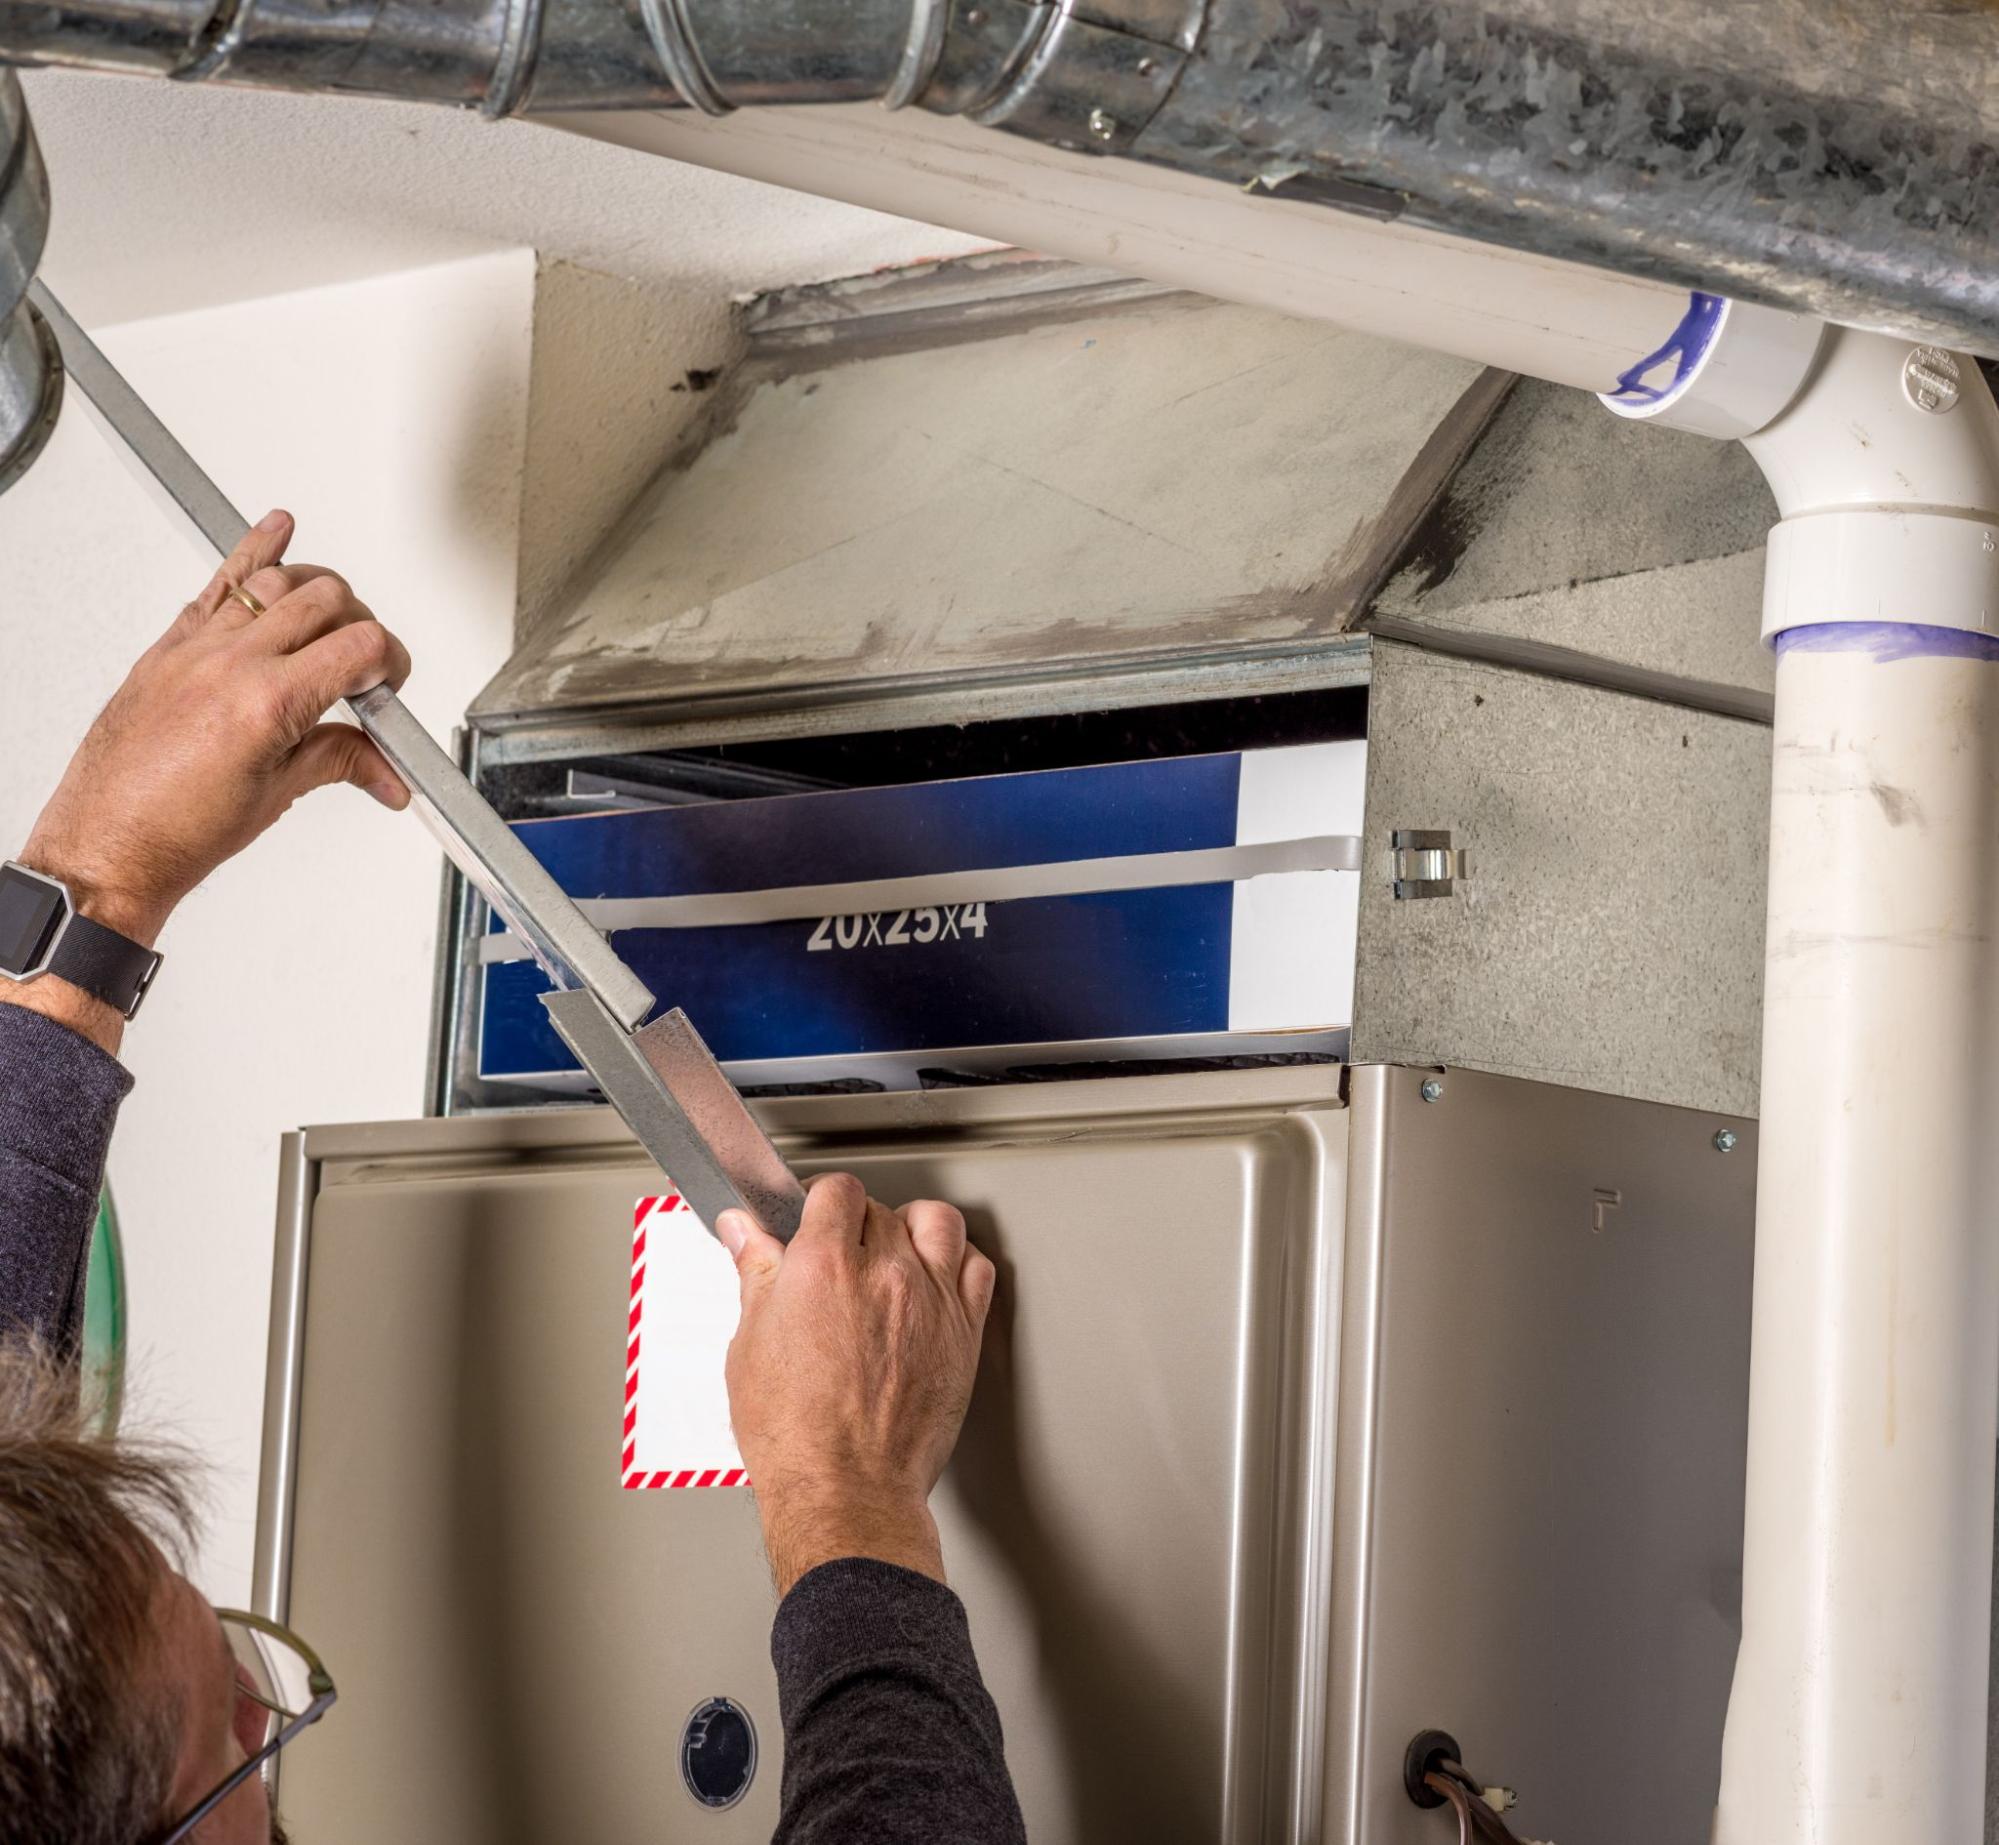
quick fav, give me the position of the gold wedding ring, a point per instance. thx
(249, 601)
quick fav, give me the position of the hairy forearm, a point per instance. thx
(806, 1524)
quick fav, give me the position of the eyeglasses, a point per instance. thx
(285, 1679)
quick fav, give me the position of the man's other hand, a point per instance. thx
(215, 732)
(850, 1373)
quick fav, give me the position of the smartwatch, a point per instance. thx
(41, 932)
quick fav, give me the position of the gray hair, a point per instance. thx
(88, 1735)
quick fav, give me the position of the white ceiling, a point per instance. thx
(169, 197)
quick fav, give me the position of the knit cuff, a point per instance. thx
(859, 1608)
(61, 1119)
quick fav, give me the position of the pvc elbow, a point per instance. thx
(1886, 471)
(1884, 422)
(1883, 456)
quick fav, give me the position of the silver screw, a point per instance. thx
(1147, 66)
(1103, 125)
(1432, 1090)
(1724, 1140)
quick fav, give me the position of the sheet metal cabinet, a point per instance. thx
(1314, 1414)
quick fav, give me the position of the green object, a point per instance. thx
(104, 1315)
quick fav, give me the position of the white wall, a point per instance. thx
(389, 416)
(616, 363)
(175, 196)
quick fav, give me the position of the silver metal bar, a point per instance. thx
(490, 854)
(951, 889)
(475, 838)
(663, 1080)
(666, 1084)
(168, 468)
(447, 968)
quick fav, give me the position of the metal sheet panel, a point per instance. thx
(1574, 543)
(928, 492)
(1544, 1414)
(518, 1639)
(1607, 932)
(1247, 1497)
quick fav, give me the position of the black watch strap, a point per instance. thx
(105, 964)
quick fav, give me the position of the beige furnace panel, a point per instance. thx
(1302, 1428)
(1544, 1392)
(518, 1640)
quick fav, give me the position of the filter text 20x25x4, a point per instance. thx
(899, 928)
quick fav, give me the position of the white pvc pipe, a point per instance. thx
(1858, 1711)
(1525, 313)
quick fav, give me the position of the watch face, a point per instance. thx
(30, 910)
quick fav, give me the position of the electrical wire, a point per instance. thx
(1460, 1803)
(1478, 1824)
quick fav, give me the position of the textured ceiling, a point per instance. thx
(170, 198)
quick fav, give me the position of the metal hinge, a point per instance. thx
(1425, 863)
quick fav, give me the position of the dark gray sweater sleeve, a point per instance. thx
(59, 1096)
(889, 1736)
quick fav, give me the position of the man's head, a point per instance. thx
(119, 1702)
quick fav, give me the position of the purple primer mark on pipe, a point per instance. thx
(1686, 346)
(1889, 640)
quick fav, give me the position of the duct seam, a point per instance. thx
(14, 158)
(984, 47)
(513, 70)
(1086, 86)
(921, 54)
(31, 376)
(215, 44)
(680, 57)
(23, 350)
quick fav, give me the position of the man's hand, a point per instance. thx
(214, 734)
(850, 1373)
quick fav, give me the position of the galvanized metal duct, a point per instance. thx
(1837, 157)
(1829, 156)
(30, 367)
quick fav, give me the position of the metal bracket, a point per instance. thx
(1426, 865)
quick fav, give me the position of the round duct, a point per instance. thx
(30, 365)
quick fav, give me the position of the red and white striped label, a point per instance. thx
(683, 1308)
